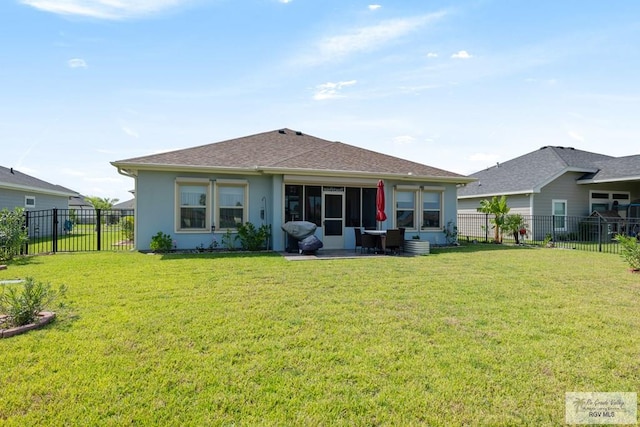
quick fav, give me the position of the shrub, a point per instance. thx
(13, 233)
(252, 238)
(629, 250)
(161, 242)
(127, 225)
(22, 306)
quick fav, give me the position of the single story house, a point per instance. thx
(560, 182)
(198, 194)
(19, 190)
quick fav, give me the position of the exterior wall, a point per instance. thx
(11, 199)
(563, 188)
(155, 209)
(518, 204)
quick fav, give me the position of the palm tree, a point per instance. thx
(499, 209)
(101, 203)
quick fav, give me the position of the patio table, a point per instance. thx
(382, 237)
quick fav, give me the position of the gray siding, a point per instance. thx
(576, 195)
(11, 199)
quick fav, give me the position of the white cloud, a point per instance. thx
(105, 9)
(576, 136)
(285, 1)
(77, 63)
(432, 55)
(366, 39)
(463, 54)
(331, 90)
(130, 131)
(403, 140)
(374, 6)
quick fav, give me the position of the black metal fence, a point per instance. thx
(592, 233)
(71, 230)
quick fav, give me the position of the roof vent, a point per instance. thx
(298, 133)
(281, 131)
(545, 147)
(12, 171)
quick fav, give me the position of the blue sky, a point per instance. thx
(456, 85)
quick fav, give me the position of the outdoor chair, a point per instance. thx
(394, 240)
(358, 233)
(369, 242)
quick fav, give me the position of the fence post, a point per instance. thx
(54, 234)
(26, 226)
(599, 234)
(486, 227)
(98, 226)
(553, 228)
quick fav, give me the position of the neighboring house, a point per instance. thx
(126, 208)
(24, 191)
(19, 190)
(198, 194)
(80, 203)
(559, 181)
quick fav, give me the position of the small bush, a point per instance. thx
(23, 303)
(161, 242)
(13, 233)
(629, 250)
(252, 238)
(127, 225)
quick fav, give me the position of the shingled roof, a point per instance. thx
(13, 179)
(532, 171)
(287, 151)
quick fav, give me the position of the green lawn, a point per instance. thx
(482, 335)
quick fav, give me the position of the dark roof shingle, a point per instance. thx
(287, 150)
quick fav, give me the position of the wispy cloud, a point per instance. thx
(463, 54)
(576, 136)
(366, 39)
(432, 55)
(105, 9)
(77, 63)
(374, 6)
(403, 140)
(331, 90)
(130, 132)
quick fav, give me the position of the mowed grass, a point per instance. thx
(482, 335)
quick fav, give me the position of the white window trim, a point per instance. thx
(422, 210)
(27, 199)
(419, 205)
(216, 211)
(610, 200)
(566, 212)
(191, 181)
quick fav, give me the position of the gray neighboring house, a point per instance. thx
(198, 194)
(21, 190)
(127, 207)
(561, 181)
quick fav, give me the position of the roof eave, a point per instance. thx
(604, 181)
(508, 193)
(18, 187)
(132, 168)
(361, 174)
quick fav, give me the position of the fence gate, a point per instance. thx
(72, 230)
